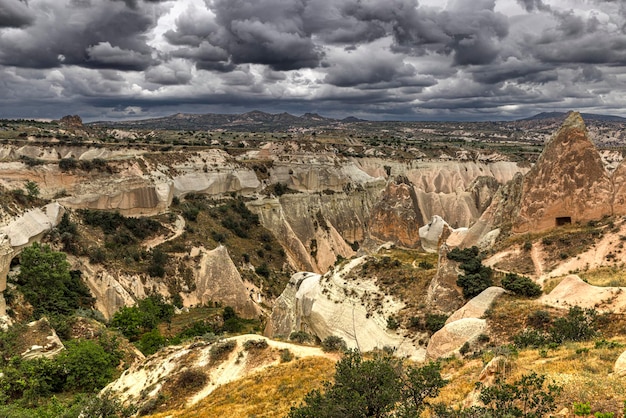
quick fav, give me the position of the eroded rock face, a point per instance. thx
(217, 279)
(21, 232)
(396, 217)
(449, 339)
(478, 305)
(443, 294)
(356, 311)
(567, 184)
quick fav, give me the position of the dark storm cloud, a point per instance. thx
(531, 5)
(269, 32)
(15, 14)
(98, 34)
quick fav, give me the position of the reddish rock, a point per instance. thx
(397, 216)
(568, 183)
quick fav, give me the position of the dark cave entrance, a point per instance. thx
(563, 220)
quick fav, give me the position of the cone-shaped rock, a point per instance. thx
(567, 184)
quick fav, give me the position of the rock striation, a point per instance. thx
(355, 310)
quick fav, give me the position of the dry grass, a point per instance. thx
(270, 393)
(605, 276)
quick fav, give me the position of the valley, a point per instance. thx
(219, 265)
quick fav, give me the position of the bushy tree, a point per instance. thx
(521, 285)
(477, 277)
(48, 284)
(380, 387)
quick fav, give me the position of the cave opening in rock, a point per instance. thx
(563, 220)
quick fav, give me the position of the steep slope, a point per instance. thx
(567, 184)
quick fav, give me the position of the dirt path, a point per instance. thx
(536, 256)
(179, 228)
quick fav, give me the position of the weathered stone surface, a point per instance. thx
(449, 339)
(218, 280)
(32, 224)
(620, 365)
(443, 294)
(43, 340)
(572, 291)
(499, 216)
(328, 305)
(214, 183)
(431, 233)
(567, 184)
(396, 217)
(478, 305)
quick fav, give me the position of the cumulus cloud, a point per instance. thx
(15, 14)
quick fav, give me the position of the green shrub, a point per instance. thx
(477, 277)
(579, 325)
(425, 265)
(521, 285)
(434, 322)
(260, 344)
(380, 387)
(47, 283)
(151, 342)
(300, 337)
(539, 319)
(530, 338)
(333, 343)
(285, 355)
(220, 350)
(392, 323)
(87, 365)
(191, 380)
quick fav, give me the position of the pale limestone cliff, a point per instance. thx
(356, 311)
(217, 280)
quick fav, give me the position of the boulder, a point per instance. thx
(620, 365)
(431, 233)
(449, 339)
(478, 305)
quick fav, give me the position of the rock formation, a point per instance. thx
(217, 279)
(396, 217)
(464, 325)
(443, 294)
(478, 305)
(42, 340)
(449, 339)
(572, 291)
(356, 311)
(567, 184)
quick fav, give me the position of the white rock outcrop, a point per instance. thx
(478, 305)
(355, 310)
(449, 339)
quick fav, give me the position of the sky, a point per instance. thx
(373, 59)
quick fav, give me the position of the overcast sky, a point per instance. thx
(375, 59)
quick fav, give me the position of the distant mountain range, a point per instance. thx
(250, 121)
(586, 116)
